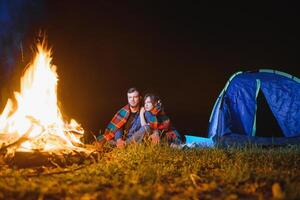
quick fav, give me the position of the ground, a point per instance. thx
(160, 172)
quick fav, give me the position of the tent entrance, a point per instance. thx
(266, 123)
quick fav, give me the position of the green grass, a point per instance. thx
(161, 172)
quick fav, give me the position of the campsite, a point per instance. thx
(149, 100)
(227, 165)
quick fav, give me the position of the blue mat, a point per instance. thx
(195, 141)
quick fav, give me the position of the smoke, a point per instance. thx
(16, 18)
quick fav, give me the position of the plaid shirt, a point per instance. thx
(117, 122)
(160, 121)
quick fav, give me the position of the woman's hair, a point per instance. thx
(154, 98)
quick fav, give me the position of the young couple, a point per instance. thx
(134, 122)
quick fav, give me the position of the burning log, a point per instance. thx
(22, 159)
(6, 149)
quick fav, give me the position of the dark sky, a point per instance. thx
(184, 52)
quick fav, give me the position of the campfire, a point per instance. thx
(33, 121)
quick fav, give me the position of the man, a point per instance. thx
(126, 125)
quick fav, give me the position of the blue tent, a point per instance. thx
(260, 107)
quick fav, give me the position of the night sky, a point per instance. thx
(184, 52)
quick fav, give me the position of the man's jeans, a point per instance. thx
(136, 136)
(136, 132)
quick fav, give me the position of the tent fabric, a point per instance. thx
(234, 112)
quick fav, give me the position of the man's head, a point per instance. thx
(134, 98)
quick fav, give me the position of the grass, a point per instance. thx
(161, 172)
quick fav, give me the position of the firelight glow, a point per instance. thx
(35, 113)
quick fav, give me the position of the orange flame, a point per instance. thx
(36, 115)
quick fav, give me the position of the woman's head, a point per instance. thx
(150, 101)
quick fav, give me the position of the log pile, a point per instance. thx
(13, 154)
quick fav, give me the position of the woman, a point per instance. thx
(153, 114)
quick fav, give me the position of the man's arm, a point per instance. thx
(116, 123)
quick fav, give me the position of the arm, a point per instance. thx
(142, 116)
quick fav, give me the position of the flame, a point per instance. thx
(35, 114)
